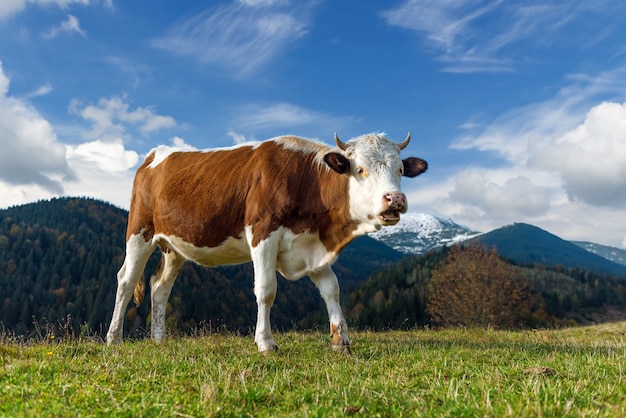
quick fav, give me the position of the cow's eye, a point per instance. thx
(400, 172)
(360, 171)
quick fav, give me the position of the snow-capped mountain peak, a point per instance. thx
(417, 233)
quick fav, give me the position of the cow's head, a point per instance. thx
(374, 166)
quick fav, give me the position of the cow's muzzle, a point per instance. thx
(394, 203)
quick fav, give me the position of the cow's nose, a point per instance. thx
(396, 201)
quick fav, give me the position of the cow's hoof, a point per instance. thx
(269, 353)
(342, 348)
(268, 348)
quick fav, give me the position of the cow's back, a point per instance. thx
(207, 197)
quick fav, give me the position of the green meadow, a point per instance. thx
(458, 372)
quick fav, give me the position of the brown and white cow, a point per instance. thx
(287, 204)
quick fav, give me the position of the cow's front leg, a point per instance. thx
(265, 292)
(326, 282)
(263, 256)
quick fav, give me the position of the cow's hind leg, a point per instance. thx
(160, 288)
(137, 253)
(264, 260)
(326, 282)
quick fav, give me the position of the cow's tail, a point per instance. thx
(140, 288)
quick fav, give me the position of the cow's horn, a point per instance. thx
(406, 141)
(340, 144)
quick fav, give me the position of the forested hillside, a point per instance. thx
(61, 257)
(59, 260)
(525, 243)
(399, 296)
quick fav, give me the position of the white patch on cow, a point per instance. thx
(231, 251)
(163, 151)
(305, 146)
(301, 254)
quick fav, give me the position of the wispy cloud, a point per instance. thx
(12, 7)
(71, 25)
(481, 35)
(40, 91)
(273, 119)
(240, 37)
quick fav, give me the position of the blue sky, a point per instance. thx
(518, 106)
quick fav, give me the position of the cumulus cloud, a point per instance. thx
(110, 118)
(180, 143)
(591, 158)
(110, 157)
(561, 165)
(34, 164)
(517, 197)
(31, 152)
(241, 37)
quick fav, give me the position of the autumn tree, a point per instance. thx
(474, 287)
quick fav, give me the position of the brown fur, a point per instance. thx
(206, 197)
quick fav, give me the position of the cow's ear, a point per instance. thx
(337, 162)
(414, 166)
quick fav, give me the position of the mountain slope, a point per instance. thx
(610, 253)
(417, 233)
(525, 243)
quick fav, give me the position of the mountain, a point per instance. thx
(610, 253)
(527, 244)
(417, 233)
(60, 258)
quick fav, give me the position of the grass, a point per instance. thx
(570, 372)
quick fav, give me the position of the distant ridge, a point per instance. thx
(616, 255)
(525, 243)
(418, 233)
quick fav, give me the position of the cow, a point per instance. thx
(287, 204)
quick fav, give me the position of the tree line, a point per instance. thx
(59, 260)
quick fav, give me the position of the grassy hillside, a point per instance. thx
(570, 372)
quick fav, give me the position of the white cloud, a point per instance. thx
(517, 197)
(111, 117)
(34, 164)
(591, 158)
(240, 37)
(67, 26)
(456, 30)
(110, 157)
(40, 91)
(12, 7)
(180, 143)
(277, 115)
(272, 119)
(562, 166)
(31, 153)
(237, 138)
